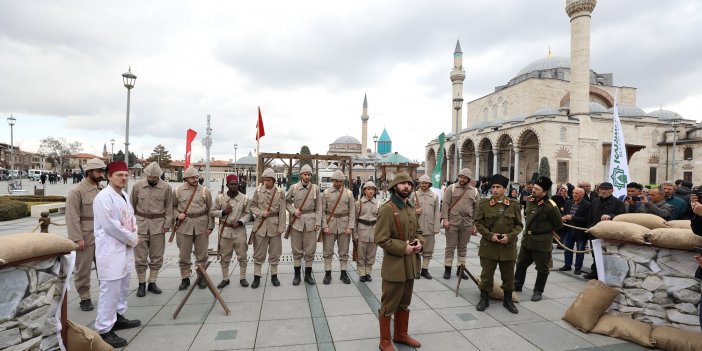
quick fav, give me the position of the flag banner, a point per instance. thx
(260, 131)
(190, 136)
(618, 173)
(436, 175)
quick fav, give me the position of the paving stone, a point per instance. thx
(497, 338)
(308, 347)
(190, 314)
(283, 309)
(285, 332)
(343, 306)
(462, 318)
(548, 336)
(596, 339)
(549, 309)
(427, 321)
(335, 290)
(354, 327)
(356, 345)
(226, 336)
(453, 340)
(441, 299)
(286, 291)
(155, 338)
(508, 318)
(240, 312)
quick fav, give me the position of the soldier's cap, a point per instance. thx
(232, 178)
(544, 183)
(369, 184)
(268, 173)
(499, 179)
(424, 179)
(190, 172)
(606, 185)
(306, 169)
(465, 172)
(338, 175)
(400, 178)
(94, 163)
(634, 185)
(117, 166)
(153, 170)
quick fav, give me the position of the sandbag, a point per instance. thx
(498, 294)
(674, 238)
(625, 328)
(647, 220)
(674, 339)
(18, 247)
(85, 339)
(623, 231)
(590, 304)
(680, 223)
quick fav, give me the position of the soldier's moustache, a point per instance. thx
(403, 193)
(152, 182)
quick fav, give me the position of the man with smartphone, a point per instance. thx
(656, 205)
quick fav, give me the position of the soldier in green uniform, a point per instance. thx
(396, 232)
(499, 222)
(542, 218)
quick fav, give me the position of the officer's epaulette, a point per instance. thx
(494, 202)
(552, 203)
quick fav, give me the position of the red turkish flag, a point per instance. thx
(260, 131)
(188, 140)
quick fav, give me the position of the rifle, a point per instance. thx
(287, 232)
(221, 188)
(219, 236)
(331, 214)
(185, 212)
(263, 219)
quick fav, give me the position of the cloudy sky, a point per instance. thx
(308, 64)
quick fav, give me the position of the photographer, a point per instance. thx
(632, 199)
(656, 205)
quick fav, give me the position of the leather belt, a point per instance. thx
(86, 218)
(529, 232)
(150, 215)
(196, 215)
(228, 225)
(307, 211)
(338, 215)
(367, 222)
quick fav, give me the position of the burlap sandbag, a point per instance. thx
(590, 304)
(625, 328)
(624, 231)
(674, 238)
(18, 247)
(85, 339)
(674, 339)
(680, 224)
(647, 220)
(498, 294)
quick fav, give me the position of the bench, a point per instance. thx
(20, 192)
(38, 209)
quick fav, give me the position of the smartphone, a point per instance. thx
(698, 250)
(500, 236)
(413, 242)
(635, 198)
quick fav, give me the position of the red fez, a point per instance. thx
(116, 166)
(232, 178)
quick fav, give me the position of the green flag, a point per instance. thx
(436, 175)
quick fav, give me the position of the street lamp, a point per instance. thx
(375, 159)
(235, 171)
(11, 121)
(457, 104)
(112, 152)
(128, 79)
(675, 122)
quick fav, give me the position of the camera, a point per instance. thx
(413, 242)
(500, 236)
(635, 198)
(697, 250)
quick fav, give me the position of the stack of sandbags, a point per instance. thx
(674, 238)
(680, 224)
(85, 339)
(622, 231)
(642, 228)
(674, 339)
(647, 220)
(590, 304)
(625, 328)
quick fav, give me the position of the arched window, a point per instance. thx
(687, 154)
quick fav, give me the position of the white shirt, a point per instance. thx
(115, 234)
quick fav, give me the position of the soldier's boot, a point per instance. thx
(416, 276)
(539, 286)
(385, 340)
(369, 278)
(309, 279)
(223, 283)
(507, 302)
(345, 278)
(447, 272)
(113, 340)
(202, 283)
(141, 290)
(274, 280)
(86, 305)
(153, 288)
(462, 273)
(361, 274)
(243, 282)
(256, 282)
(519, 275)
(401, 326)
(425, 273)
(124, 323)
(484, 301)
(327, 278)
(184, 284)
(296, 280)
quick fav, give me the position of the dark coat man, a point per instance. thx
(604, 208)
(576, 213)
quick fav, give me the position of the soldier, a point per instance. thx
(79, 220)
(337, 225)
(428, 210)
(499, 222)
(233, 212)
(458, 211)
(152, 199)
(366, 210)
(304, 203)
(542, 218)
(397, 234)
(191, 207)
(268, 206)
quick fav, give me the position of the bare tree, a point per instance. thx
(56, 149)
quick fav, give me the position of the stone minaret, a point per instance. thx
(579, 12)
(364, 126)
(458, 75)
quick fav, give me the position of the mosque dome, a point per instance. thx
(629, 111)
(546, 63)
(249, 160)
(346, 139)
(596, 107)
(548, 111)
(664, 114)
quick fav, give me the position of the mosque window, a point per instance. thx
(687, 176)
(564, 136)
(504, 109)
(687, 154)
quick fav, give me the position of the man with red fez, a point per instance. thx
(115, 238)
(268, 207)
(232, 209)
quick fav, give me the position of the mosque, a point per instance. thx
(561, 109)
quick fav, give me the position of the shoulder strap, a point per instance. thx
(187, 206)
(331, 213)
(459, 198)
(396, 212)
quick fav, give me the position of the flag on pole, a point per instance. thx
(260, 131)
(190, 136)
(618, 161)
(436, 175)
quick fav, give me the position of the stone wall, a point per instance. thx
(30, 296)
(657, 285)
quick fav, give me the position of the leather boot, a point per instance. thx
(184, 284)
(462, 273)
(447, 272)
(362, 278)
(425, 273)
(274, 280)
(539, 286)
(202, 284)
(369, 278)
(507, 302)
(115, 341)
(86, 305)
(244, 283)
(296, 280)
(153, 288)
(309, 279)
(256, 282)
(401, 326)
(223, 283)
(141, 290)
(327, 278)
(417, 276)
(385, 341)
(484, 301)
(345, 278)
(519, 276)
(124, 323)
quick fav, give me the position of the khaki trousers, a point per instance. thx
(395, 295)
(81, 274)
(342, 242)
(427, 250)
(187, 244)
(303, 243)
(149, 246)
(366, 257)
(457, 239)
(488, 272)
(271, 244)
(228, 246)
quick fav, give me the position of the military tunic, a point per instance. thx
(303, 235)
(460, 219)
(232, 230)
(153, 207)
(366, 219)
(429, 219)
(192, 231)
(79, 222)
(338, 222)
(267, 233)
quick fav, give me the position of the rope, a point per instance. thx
(555, 237)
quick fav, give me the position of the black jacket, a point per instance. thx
(610, 206)
(581, 218)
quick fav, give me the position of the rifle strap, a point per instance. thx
(459, 198)
(396, 212)
(268, 209)
(304, 200)
(416, 200)
(331, 213)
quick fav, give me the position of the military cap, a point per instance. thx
(499, 179)
(338, 175)
(94, 163)
(544, 183)
(153, 170)
(465, 172)
(400, 178)
(190, 172)
(424, 179)
(606, 185)
(369, 184)
(268, 173)
(306, 169)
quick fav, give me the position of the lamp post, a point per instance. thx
(128, 80)
(457, 104)
(375, 158)
(675, 122)
(11, 121)
(235, 170)
(112, 151)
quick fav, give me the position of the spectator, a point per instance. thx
(42, 177)
(657, 204)
(577, 213)
(589, 194)
(604, 208)
(678, 203)
(632, 199)
(561, 198)
(683, 190)
(514, 194)
(525, 193)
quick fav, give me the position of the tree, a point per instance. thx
(119, 156)
(160, 155)
(56, 149)
(305, 151)
(544, 168)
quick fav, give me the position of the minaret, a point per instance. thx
(364, 126)
(458, 75)
(580, 12)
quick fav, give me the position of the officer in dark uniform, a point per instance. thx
(499, 222)
(542, 218)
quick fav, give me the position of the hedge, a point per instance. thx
(32, 198)
(10, 210)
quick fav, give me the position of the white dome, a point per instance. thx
(629, 111)
(545, 63)
(664, 114)
(346, 139)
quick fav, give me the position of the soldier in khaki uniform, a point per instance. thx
(366, 210)
(79, 220)
(499, 222)
(542, 218)
(232, 209)
(152, 200)
(337, 225)
(397, 234)
(194, 224)
(428, 210)
(307, 219)
(458, 211)
(268, 207)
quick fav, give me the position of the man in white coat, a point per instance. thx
(115, 239)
